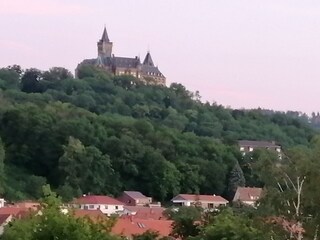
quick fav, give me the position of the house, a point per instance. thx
(29, 204)
(146, 71)
(134, 198)
(155, 213)
(204, 201)
(127, 226)
(7, 214)
(16, 212)
(4, 220)
(247, 195)
(94, 215)
(246, 146)
(107, 205)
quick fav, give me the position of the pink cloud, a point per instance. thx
(41, 7)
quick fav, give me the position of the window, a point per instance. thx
(106, 206)
(116, 207)
(91, 206)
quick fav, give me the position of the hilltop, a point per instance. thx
(102, 134)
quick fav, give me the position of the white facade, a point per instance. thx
(182, 202)
(2, 201)
(107, 209)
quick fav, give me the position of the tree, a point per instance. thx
(148, 235)
(9, 78)
(30, 81)
(235, 179)
(227, 225)
(2, 173)
(86, 169)
(56, 74)
(186, 221)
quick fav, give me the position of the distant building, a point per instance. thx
(247, 146)
(134, 198)
(94, 215)
(29, 204)
(128, 226)
(247, 195)
(204, 201)
(4, 220)
(107, 205)
(155, 213)
(146, 71)
(11, 213)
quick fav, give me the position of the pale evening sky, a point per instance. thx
(239, 53)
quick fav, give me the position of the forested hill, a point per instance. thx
(104, 134)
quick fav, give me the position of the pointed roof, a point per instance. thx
(148, 60)
(105, 35)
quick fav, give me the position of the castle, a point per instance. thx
(146, 71)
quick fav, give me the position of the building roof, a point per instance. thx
(97, 199)
(135, 194)
(92, 214)
(148, 60)
(150, 70)
(125, 62)
(249, 143)
(17, 212)
(105, 37)
(155, 213)
(4, 218)
(248, 193)
(129, 225)
(204, 198)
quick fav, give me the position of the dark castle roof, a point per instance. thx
(149, 68)
(124, 62)
(121, 62)
(148, 60)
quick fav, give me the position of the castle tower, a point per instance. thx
(104, 45)
(148, 60)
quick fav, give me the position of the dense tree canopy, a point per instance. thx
(102, 134)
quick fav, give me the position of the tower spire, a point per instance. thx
(148, 60)
(105, 35)
(104, 45)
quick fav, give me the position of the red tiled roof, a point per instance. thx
(17, 212)
(92, 214)
(249, 193)
(128, 226)
(205, 198)
(155, 213)
(97, 199)
(3, 218)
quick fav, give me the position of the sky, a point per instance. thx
(238, 53)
